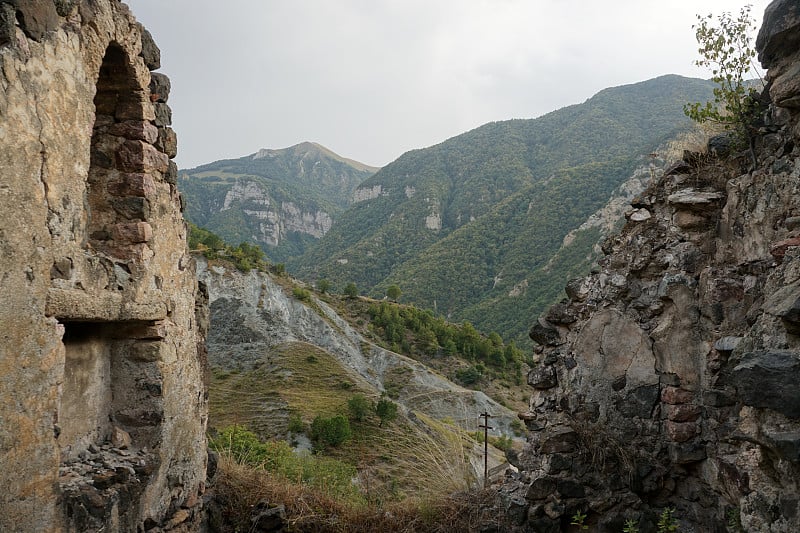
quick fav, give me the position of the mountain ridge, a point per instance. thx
(424, 197)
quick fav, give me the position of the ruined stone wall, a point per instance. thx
(670, 377)
(102, 396)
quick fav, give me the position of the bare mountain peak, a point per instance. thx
(309, 149)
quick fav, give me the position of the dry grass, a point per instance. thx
(433, 460)
(604, 451)
(694, 140)
(238, 488)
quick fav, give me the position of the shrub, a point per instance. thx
(727, 50)
(323, 285)
(350, 290)
(386, 410)
(393, 292)
(296, 424)
(468, 375)
(330, 431)
(359, 408)
(301, 293)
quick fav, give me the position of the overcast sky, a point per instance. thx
(372, 79)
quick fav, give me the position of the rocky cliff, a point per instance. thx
(669, 377)
(102, 416)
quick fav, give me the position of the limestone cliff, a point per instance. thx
(102, 415)
(669, 377)
(283, 200)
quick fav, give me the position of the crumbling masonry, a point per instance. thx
(102, 397)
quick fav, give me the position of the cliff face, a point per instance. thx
(669, 377)
(283, 199)
(102, 418)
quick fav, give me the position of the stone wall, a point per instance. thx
(669, 377)
(103, 411)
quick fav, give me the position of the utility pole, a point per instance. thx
(486, 427)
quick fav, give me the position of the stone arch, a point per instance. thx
(119, 185)
(111, 377)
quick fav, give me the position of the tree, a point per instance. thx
(393, 292)
(359, 407)
(726, 49)
(323, 285)
(330, 431)
(350, 290)
(386, 410)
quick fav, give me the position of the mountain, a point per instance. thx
(282, 200)
(462, 227)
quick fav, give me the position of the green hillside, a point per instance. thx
(460, 225)
(283, 200)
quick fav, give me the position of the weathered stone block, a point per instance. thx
(132, 208)
(159, 87)
(779, 31)
(686, 453)
(791, 318)
(569, 488)
(542, 377)
(163, 114)
(694, 199)
(150, 51)
(639, 402)
(541, 488)
(138, 156)
(689, 221)
(36, 17)
(167, 142)
(135, 106)
(576, 289)
(171, 175)
(786, 444)
(561, 313)
(680, 431)
(137, 130)
(544, 334)
(146, 351)
(560, 439)
(718, 398)
(61, 269)
(675, 395)
(517, 510)
(769, 379)
(683, 412)
(133, 185)
(131, 233)
(727, 344)
(778, 249)
(8, 23)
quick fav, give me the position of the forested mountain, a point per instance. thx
(466, 227)
(282, 200)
